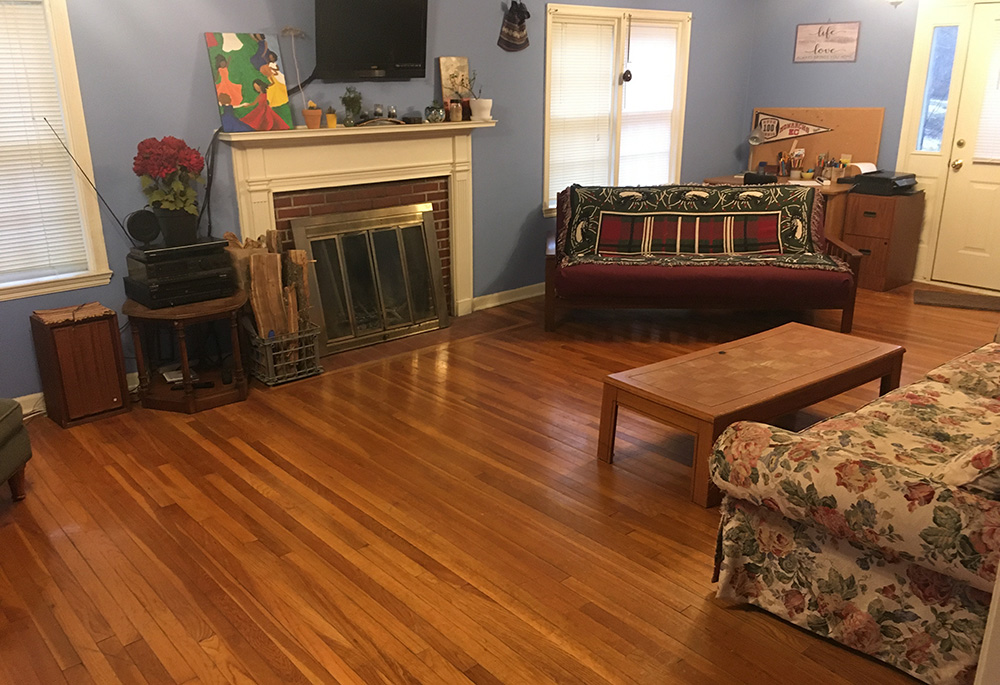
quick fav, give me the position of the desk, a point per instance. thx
(836, 201)
(154, 391)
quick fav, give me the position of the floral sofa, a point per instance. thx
(878, 528)
(693, 246)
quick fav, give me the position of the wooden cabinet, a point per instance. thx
(886, 229)
(80, 360)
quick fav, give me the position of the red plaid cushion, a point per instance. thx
(668, 233)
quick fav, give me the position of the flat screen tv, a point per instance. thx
(368, 40)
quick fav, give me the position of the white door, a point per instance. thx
(968, 247)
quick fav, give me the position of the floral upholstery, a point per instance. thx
(876, 528)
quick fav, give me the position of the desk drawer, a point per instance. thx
(875, 262)
(870, 215)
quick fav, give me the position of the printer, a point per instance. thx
(882, 183)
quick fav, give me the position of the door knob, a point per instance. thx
(957, 164)
(960, 142)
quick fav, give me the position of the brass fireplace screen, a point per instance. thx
(377, 274)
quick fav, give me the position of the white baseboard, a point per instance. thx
(31, 403)
(36, 402)
(508, 296)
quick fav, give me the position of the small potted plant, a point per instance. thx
(351, 99)
(313, 115)
(479, 107)
(168, 170)
(331, 118)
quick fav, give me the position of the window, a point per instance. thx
(599, 128)
(50, 228)
(938, 85)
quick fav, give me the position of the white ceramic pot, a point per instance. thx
(481, 109)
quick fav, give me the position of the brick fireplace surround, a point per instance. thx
(283, 174)
(318, 202)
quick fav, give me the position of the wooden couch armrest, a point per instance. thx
(836, 248)
(550, 243)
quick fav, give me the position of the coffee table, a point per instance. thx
(756, 378)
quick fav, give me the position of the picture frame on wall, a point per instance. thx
(830, 42)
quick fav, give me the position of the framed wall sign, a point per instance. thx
(827, 42)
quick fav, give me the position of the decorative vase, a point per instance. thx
(481, 109)
(178, 226)
(466, 109)
(331, 120)
(313, 117)
(434, 115)
(455, 110)
(350, 118)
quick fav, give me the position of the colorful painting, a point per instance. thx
(249, 84)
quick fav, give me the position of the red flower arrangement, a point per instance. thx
(168, 169)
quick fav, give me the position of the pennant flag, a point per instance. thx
(774, 128)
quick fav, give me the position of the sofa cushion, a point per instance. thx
(977, 469)
(976, 373)
(938, 411)
(667, 219)
(727, 287)
(10, 419)
(872, 438)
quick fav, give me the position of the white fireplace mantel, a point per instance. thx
(269, 162)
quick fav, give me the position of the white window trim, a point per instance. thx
(98, 272)
(683, 22)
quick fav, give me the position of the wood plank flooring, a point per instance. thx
(427, 511)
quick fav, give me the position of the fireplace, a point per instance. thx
(267, 164)
(377, 274)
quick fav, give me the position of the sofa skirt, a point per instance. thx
(699, 287)
(864, 597)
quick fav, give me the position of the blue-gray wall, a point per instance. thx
(143, 72)
(877, 79)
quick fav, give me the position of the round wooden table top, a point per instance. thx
(187, 312)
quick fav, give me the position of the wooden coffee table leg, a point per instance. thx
(609, 421)
(890, 381)
(703, 491)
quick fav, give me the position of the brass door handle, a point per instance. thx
(957, 164)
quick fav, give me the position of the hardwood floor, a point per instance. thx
(427, 511)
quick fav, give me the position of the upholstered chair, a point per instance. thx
(15, 448)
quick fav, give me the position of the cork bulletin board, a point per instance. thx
(856, 131)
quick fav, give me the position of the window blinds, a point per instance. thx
(647, 111)
(601, 129)
(582, 93)
(41, 230)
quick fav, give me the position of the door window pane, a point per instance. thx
(937, 88)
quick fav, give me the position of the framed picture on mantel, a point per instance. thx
(827, 42)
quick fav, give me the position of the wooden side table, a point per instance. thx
(154, 391)
(79, 351)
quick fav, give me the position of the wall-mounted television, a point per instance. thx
(368, 40)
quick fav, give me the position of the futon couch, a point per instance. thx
(693, 246)
(878, 528)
